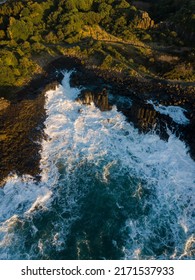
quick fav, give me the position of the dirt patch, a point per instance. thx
(167, 58)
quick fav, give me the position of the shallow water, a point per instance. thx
(107, 191)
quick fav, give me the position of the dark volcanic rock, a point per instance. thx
(100, 99)
(21, 131)
(145, 118)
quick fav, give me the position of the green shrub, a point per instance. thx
(2, 34)
(146, 38)
(20, 30)
(107, 63)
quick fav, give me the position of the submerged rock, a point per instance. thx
(100, 99)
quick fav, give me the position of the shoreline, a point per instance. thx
(22, 121)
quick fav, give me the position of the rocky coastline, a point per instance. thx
(22, 117)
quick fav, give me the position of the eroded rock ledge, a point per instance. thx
(21, 132)
(100, 99)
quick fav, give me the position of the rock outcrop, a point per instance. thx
(99, 99)
(145, 21)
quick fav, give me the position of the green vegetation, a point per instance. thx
(115, 34)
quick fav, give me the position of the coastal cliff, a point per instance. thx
(138, 49)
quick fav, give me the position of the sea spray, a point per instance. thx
(177, 113)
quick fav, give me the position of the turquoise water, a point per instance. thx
(107, 191)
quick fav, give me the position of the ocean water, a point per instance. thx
(106, 190)
(175, 112)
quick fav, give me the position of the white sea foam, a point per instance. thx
(105, 141)
(18, 194)
(175, 112)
